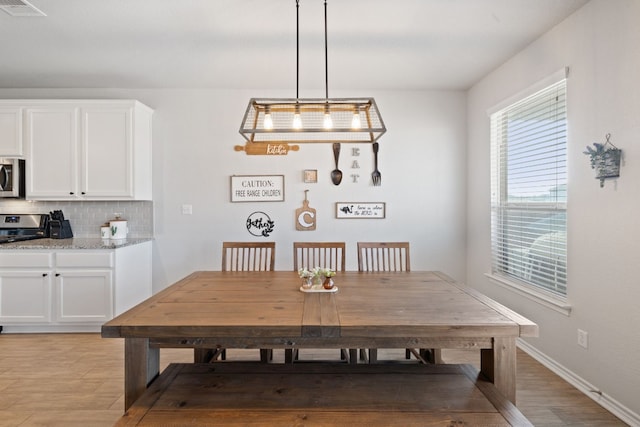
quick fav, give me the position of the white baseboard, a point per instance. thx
(604, 400)
(47, 328)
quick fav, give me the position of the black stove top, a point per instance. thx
(19, 238)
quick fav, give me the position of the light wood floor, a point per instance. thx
(77, 380)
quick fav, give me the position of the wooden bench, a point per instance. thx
(318, 394)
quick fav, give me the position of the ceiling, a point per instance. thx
(251, 44)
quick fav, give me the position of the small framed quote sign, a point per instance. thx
(257, 188)
(310, 175)
(362, 210)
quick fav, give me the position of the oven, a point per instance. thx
(19, 227)
(12, 176)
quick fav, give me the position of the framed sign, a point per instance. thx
(257, 188)
(362, 210)
(310, 175)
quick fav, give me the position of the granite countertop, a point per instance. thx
(75, 243)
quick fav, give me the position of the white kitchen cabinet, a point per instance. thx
(10, 131)
(107, 147)
(25, 288)
(25, 296)
(88, 150)
(84, 286)
(84, 296)
(52, 152)
(71, 290)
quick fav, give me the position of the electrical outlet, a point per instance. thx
(583, 338)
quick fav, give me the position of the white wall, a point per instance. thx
(422, 160)
(601, 45)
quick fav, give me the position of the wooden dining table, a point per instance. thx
(417, 309)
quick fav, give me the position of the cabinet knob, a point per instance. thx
(57, 274)
(71, 193)
(45, 274)
(83, 193)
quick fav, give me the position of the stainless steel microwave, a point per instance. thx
(12, 178)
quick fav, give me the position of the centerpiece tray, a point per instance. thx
(315, 289)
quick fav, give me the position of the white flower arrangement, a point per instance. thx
(316, 272)
(305, 274)
(325, 272)
(316, 278)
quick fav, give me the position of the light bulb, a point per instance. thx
(355, 120)
(328, 123)
(297, 121)
(268, 121)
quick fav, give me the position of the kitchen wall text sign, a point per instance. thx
(361, 210)
(257, 188)
(260, 224)
(355, 152)
(266, 149)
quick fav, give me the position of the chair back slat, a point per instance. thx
(384, 256)
(248, 256)
(319, 254)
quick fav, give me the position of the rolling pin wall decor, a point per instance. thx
(266, 149)
(305, 216)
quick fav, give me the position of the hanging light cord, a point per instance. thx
(326, 56)
(297, 47)
(326, 61)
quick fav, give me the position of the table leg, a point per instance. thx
(141, 366)
(499, 365)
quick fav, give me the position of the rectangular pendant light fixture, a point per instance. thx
(309, 120)
(306, 120)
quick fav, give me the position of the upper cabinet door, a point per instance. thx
(107, 152)
(52, 147)
(88, 150)
(11, 131)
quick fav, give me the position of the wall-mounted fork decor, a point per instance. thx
(376, 176)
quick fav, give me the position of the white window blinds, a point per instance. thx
(529, 190)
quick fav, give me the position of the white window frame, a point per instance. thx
(546, 287)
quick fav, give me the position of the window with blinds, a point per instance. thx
(529, 190)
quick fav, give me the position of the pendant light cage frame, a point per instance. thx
(352, 120)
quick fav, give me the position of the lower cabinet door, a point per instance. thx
(25, 297)
(84, 296)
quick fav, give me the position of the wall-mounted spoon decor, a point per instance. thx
(336, 174)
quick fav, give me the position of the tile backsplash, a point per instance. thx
(87, 217)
